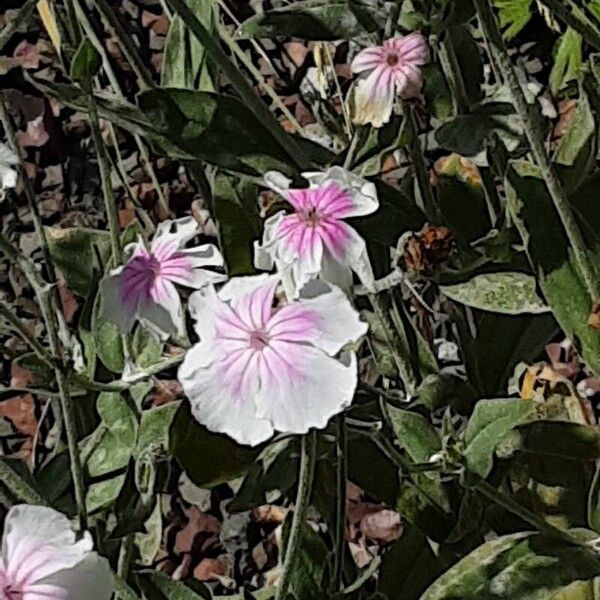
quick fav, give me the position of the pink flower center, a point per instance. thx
(392, 59)
(311, 217)
(258, 340)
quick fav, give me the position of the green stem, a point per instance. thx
(8, 313)
(114, 82)
(126, 42)
(574, 19)
(124, 561)
(530, 120)
(394, 343)
(245, 60)
(108, 193)
(506, 502)
(305, 478)
(18, 486)
(239, 82)
(121, 386)
(429, 204)
(340, 506)
(68, 410)
(38, 225)
(24, 14)
(451, 68)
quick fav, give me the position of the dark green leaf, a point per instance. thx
(236, 212)
(207, 458)
(86, 62)
(548, 249)
(523, 566)
(490, 423)
(315, 20)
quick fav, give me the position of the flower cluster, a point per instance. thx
(273, 352)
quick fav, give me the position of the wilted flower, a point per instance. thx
(42, 560)
(8, 159)
(260, 368)
(393, 69)
(144, 288)
(314, 240)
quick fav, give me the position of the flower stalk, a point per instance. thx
(308, 454)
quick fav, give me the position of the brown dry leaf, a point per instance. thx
(594, 319)
(432, 246)
(26, 55)
(566, 110)
(198, 522)
(68, 301)
(210, 569)
(35, 135)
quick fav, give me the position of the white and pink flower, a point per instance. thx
(314, 240)
(8, 175)
(262, 365)
(392, 69)
(144, 288)
(43, 560)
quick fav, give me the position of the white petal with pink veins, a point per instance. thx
(163, 314)
(42, 559)
(91, 579)
(262, 366)
(220, 407)
(374, 98)
(304, 387)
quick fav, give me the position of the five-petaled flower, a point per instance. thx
(263, 365)
(314, 241)
(42, 560)
(8, 159)
(391, 69)
(144, 288)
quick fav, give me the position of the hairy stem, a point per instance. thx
(340, 505)
(530, 119)
(8, 313)
(126, 41)
(305, 479)
(114, 82)
(68, 410)
(243, 58)
(429, 204)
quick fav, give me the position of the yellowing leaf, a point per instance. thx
(48, 17)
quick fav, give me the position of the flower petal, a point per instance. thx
(302, 387)
(39, 541)
(277, 181)
(367, 59)
(123, 314)
(186, 267)
(8, 177)
(358, 260)
(362, 192)
(263, 258)
(162, 313)
(412, 48)
(175, 233)
(339, 322)
(374, 97)
(219, 404)
(91, 579)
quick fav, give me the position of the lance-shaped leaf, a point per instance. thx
(523, 566)
(550, 254)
